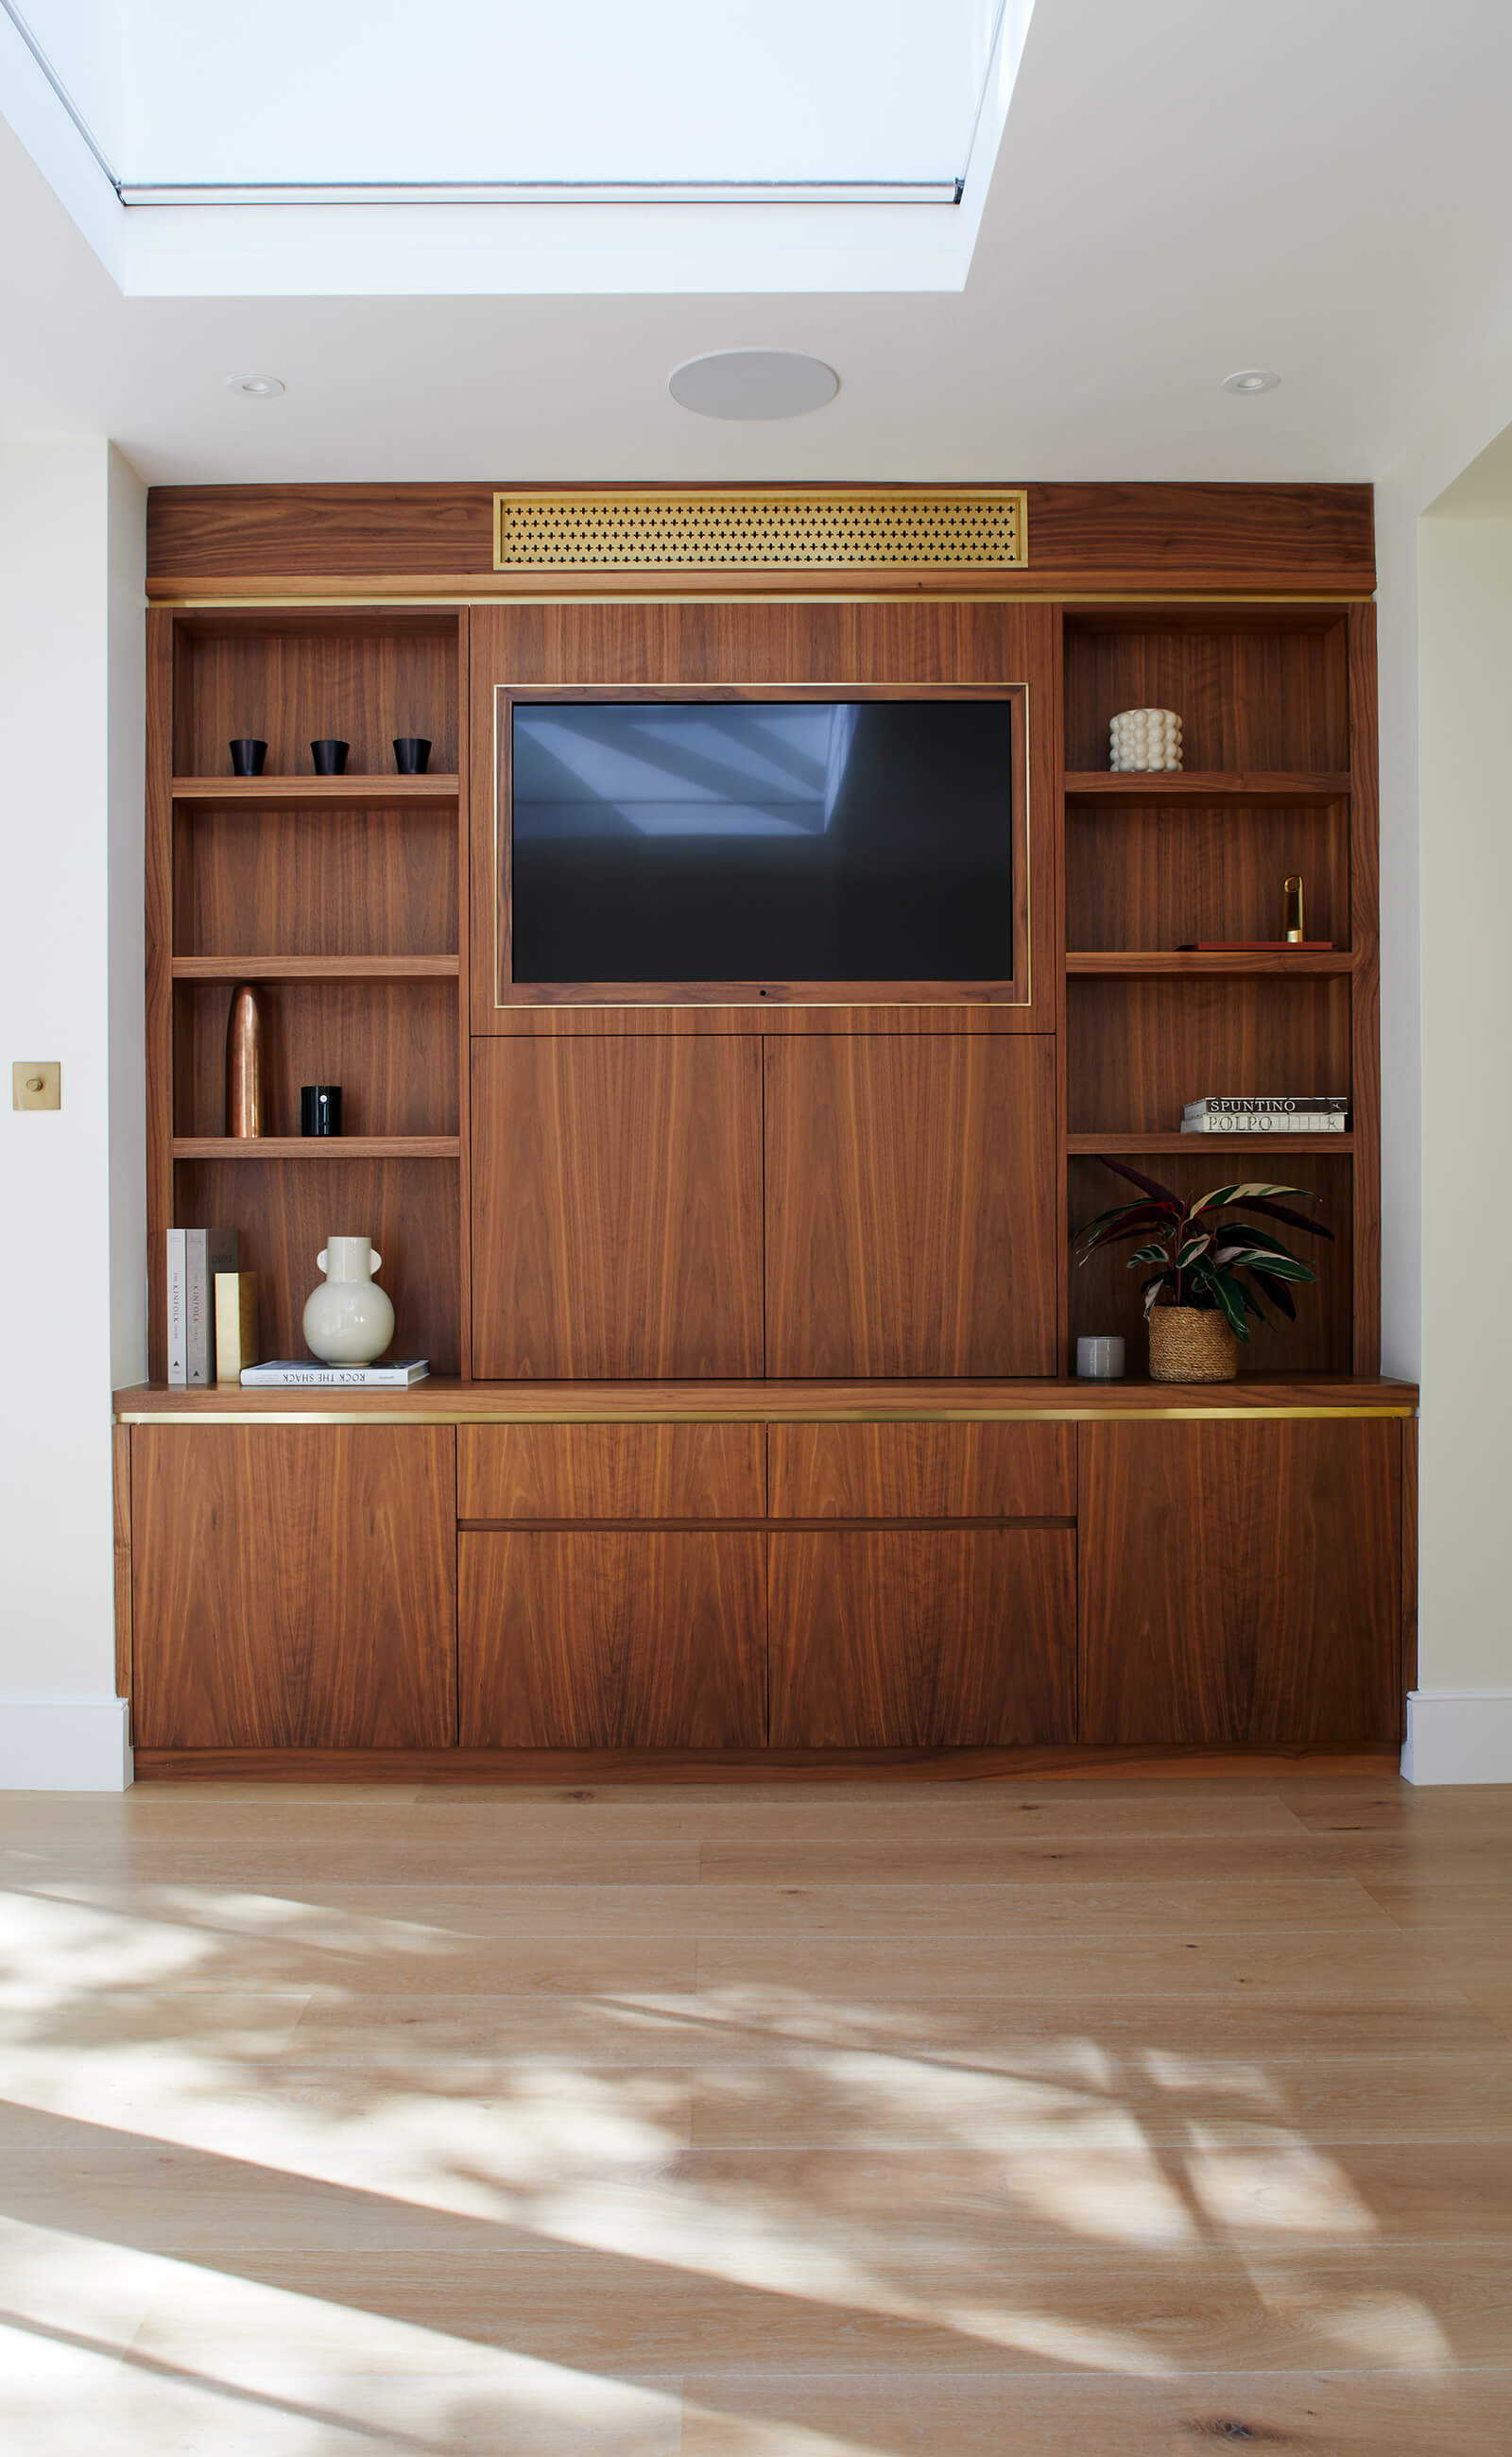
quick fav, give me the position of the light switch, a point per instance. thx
(36, 1083)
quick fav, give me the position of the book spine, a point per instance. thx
(1277, 1103)
(1269, 1123)
(177, 1293)
(263, 1377)
(222, 1253)
(199, 1300)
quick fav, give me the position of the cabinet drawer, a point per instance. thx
(923, 1471)
(612, 1639)
(936, 1637)
(534, 1471)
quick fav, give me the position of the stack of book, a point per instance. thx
(1267, 1113)
(195, 1258)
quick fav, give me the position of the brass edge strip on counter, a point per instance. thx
(1112, 1415)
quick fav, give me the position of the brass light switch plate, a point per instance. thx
(36, 1083)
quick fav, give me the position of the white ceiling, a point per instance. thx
(1184, 187)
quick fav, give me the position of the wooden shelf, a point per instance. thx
(328, 1147)
(273, 792)
(1210, 785)
(1091, 1146)
(1134, 963)
(315, 968)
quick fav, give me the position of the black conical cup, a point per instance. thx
(247, 756)
(329, 757)
(411, 753)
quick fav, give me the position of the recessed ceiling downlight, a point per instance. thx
(754, 383)
(1252, 379)
(256, 387)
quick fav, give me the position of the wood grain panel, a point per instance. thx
(391, 1045)
(338, 878)
(294, 1587)
(1263, 687)
(158, 918)
(287, 1210)
(910, 1197)
(923, 1471)
(611, 1640)
(922, 1638)
(1202, 535)
(294, 677)
(1240, 1582)
(1106, 1293)
(611, 1471)
(1139, 1050)
(1153, 875)
(617, 1207)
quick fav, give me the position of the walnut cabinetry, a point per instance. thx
(721, 1282)
(294, 1587)
(1038, 1575)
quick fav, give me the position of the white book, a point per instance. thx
(1299, 1121)
(292, 1374)
(178, 1295)
(1264, 1104)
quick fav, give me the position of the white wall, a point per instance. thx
(1462, 1712)
(72, 1208)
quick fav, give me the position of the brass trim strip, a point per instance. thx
(1068, 1415)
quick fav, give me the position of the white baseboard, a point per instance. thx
(65, 1745)
(1458, 1736)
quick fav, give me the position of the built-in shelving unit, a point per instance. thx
(1278, 720)
(342, 899)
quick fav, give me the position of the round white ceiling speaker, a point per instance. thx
(256, 387)
(1252, 379)
(754, 383)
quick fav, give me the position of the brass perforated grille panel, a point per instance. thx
(718, 532)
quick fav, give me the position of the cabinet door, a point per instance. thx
(613, 1640)
(1241, 1583)
(617, 1207)
(922, 1638)
(294, 1586)
(910, 1203)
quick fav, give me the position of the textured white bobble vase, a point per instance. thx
(348, 1320)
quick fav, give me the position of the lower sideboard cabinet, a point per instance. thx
(923, 1638)
(1241, 1584)
(294, 1586)
(599, 1639)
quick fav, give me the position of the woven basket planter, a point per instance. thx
(1186, 1346)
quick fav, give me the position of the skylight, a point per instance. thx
(808, 100)
(681, 146)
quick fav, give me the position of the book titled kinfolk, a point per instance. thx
(292, 1374)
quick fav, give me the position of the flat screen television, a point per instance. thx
(748, 841)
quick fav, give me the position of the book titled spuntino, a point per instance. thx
(294, 1373)
(1267, 1113)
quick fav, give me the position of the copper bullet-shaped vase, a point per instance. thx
(245, 1064)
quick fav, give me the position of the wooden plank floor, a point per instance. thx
(758, 2121)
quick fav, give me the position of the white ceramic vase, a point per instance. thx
(348, 1320)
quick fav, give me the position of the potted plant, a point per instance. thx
(1210, 1270)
